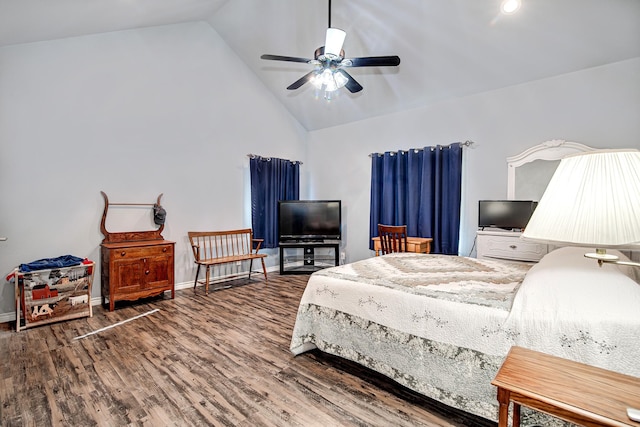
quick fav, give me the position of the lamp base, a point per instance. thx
(603, 257)
(633, 414)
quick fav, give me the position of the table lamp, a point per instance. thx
(593, 199)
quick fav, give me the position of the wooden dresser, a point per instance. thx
(136, 264)
(136, 269)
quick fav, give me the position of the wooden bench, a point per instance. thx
(223, 247)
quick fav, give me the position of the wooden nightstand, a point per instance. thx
(573, 391)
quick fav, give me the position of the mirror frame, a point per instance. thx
(552, 150)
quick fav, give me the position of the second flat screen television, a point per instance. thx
(507, 214)
(309, 220)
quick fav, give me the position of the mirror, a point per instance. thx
(530, 171)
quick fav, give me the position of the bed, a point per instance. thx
(442, 325)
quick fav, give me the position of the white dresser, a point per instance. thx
(503, 244)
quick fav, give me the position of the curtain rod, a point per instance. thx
(257, 156)
(466, 144)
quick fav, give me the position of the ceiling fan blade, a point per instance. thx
(372, 61)
(334, 41)
(285, 58)
(302, 80)
(352, 85)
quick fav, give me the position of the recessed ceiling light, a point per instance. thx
(509, 7)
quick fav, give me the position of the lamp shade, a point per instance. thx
(593, 199)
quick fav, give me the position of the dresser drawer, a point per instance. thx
(508, 246)
(141, 252)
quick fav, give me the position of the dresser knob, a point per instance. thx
(164, 249)
(513, 246)
(146, 272)
(123, 253)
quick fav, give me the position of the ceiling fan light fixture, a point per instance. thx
(329, 80)
(329, 61)
(333, 42)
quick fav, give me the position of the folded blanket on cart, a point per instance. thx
(49, 263)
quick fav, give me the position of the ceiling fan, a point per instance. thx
(329, 61)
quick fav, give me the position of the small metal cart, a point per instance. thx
(52, 295)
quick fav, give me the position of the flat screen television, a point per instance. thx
(309, 220)
(507, 214)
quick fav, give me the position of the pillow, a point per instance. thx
(567, 284)
(569, 306)
(573, 255)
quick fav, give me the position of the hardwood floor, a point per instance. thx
(221, 359)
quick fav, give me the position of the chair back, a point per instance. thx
(393, 238)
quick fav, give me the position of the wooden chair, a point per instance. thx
(393, 238)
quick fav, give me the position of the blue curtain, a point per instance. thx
(422, 189)
(272, 179)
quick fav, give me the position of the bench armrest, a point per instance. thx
(196, 252)
(259, 243)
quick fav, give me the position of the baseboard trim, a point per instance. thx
(11, 316)
(7, 317)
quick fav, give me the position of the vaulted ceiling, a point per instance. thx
(448, 48)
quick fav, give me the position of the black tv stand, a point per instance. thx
(305, 257)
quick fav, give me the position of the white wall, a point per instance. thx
(172, 110)
(167, 110)
(599, 107)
